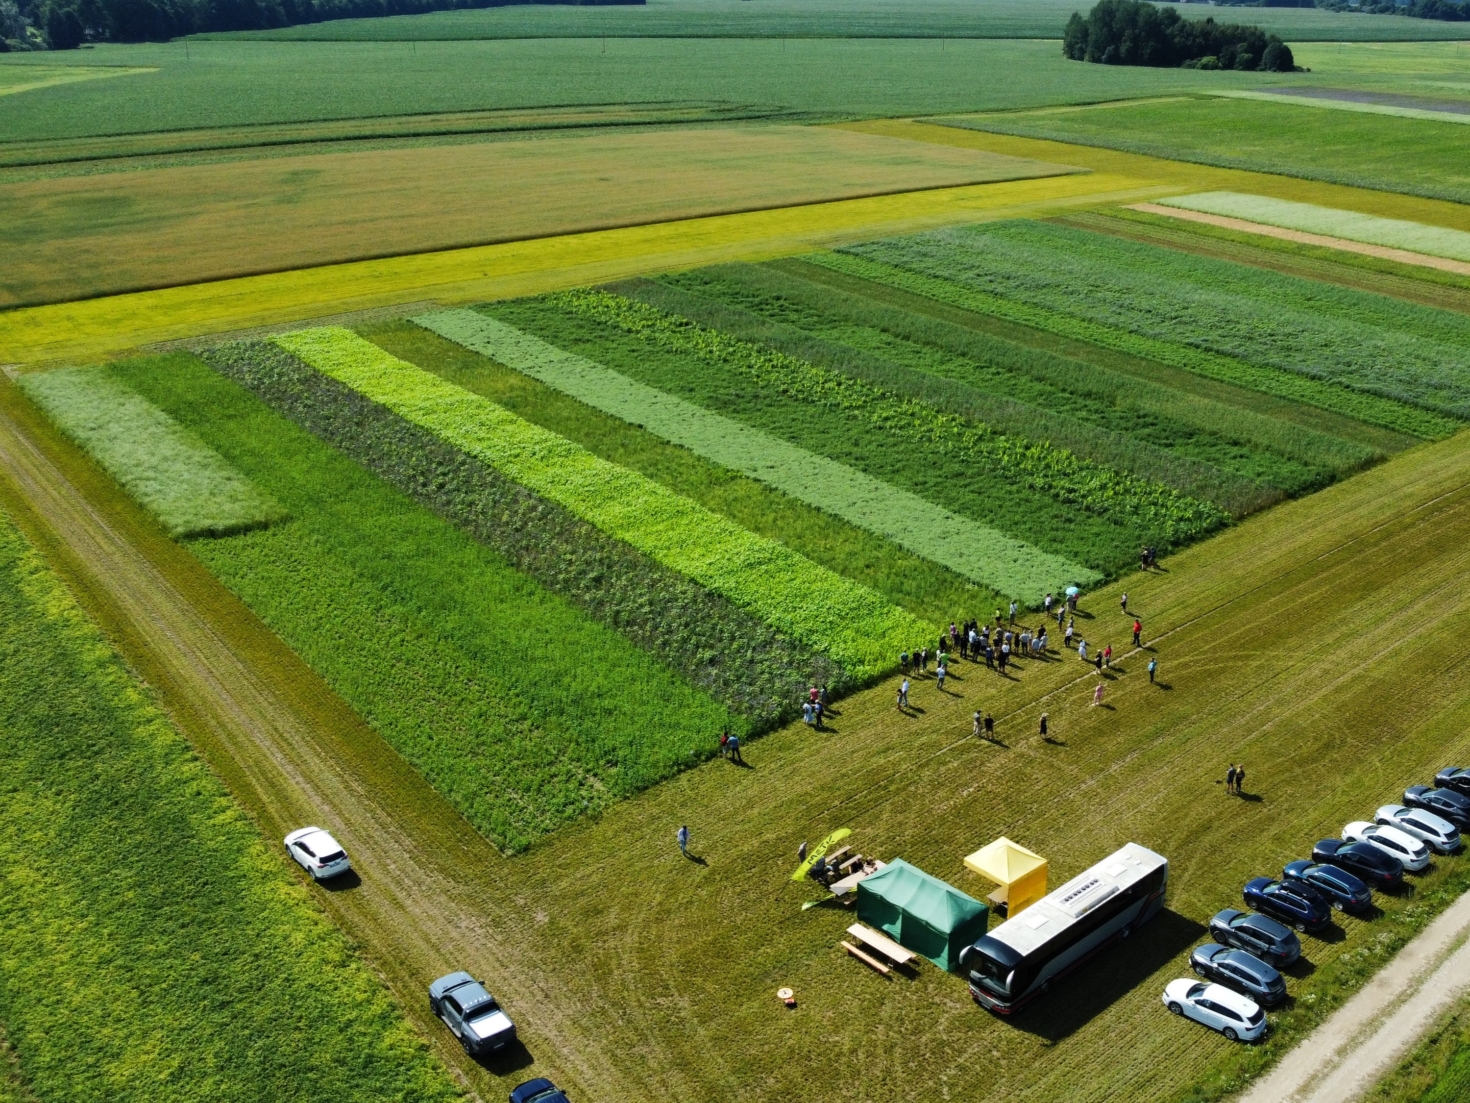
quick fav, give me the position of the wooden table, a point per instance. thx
(882, 943)
(847, 884)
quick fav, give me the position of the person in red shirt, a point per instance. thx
(1137, 630)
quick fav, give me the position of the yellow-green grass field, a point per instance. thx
(98, 233)
(1318, 643)
(29, 78)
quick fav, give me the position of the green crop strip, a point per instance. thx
(980, 553)
(1057, 391)
(728, 652)
(853, 625)
(1364, 343)
(1395, 233)
(1280, 384)
(521, 710)
(156, 947)
(1235, 477)
(1085, 485)
(167, 470)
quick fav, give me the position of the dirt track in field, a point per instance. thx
(293, 754)
(1301, 237)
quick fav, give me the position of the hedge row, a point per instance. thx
(976, 551)
(1280, 384)
(1053, 471)
(171, 473)
(726, 651)
(849, 623)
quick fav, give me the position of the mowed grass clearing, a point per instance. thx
(100, 233)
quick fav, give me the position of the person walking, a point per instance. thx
(1123, 601)
(817, 710)
(725, 743)
(903, 662)
(1046, 604)
(1044, 734)
(735, 750)
(1240, 780)
(1081, 646)
(989, 726)
(1067, 638)
(1107, 656)
(1097, 661)
(801, 852)
(1097, 693)
(1230, 779)
(1137, 631)
(1013, 612)
(939, 675)
(683, 838)
(806, 712)
(977, 729)
(903, 695)
(1153, 666)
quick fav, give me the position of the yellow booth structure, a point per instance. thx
(1020, 874)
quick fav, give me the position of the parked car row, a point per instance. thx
(461, 1002)
(1241, 970)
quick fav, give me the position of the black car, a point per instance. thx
(1237, 969)
(1380, 870)
(1255, 934)
(539, 1090)
(1454, 777)
(1337, 886)
(1445, 803)
(1295, 905)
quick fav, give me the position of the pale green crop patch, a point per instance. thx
(1394, 233)
(979, 552)
(850, 623)
(188, 486)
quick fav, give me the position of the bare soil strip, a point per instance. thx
(1403, 256)
(1369, 1034)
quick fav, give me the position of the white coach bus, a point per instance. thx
(1023, 956)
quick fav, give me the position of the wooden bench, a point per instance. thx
(851, 864)
(882, 943)
(836, 856)
(865, 958)
(850, 882)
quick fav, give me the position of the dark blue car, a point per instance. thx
(540, 1090)
(1445, 803)
(1454, 777)
(1295, 905)
(1382, 871)
(1337, 886)
(1237, 969)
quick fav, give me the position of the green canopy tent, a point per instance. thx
(921, 912)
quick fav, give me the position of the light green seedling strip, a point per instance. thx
(849, 622)
(1350, 105)
(1395, 233)
(979, 552)
(189, 487)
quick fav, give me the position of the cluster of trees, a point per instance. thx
(66, 24)
(1131, 32)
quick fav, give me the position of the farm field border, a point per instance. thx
(1310, 538)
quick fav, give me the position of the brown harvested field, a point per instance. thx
(97, 233)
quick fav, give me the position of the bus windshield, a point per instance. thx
(989, 972)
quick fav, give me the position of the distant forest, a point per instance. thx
(66, 24)
(1452, 11)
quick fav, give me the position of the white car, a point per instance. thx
(317, 853)
(1438, 832)
(1410, 851)
(1234, 1016)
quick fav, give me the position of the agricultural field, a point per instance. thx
(1437, 1071)
(1415, 156)
(166, 951)
(92, 232)
(950, 19)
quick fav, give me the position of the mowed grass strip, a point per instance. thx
(979, 553)
(170, 472)
(853, 625)
(157, 947)
(1372, 409)
(1369, 343)
(190, 223)
(524, 712)
(923, 587)
(1212, 451)
(1395, 233)
(723, 650)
